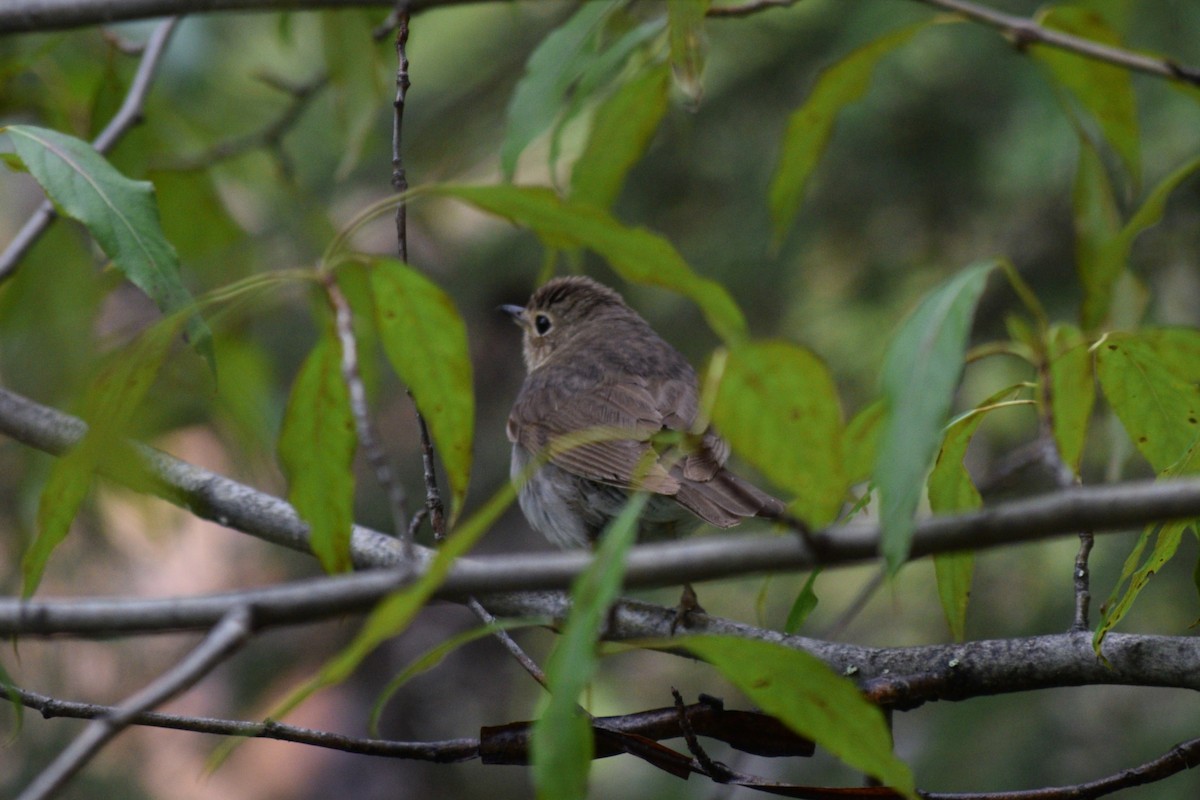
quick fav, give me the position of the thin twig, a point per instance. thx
(399, 177)
(128, 115)
(226, 637)
(1025, 31)
(509, 643)
(433, 497)
(384, 474)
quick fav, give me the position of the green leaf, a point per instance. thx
(1072, 392)
(685, 21)
(778, 408)
(561, 741)
(811, 126)
(636, 254)
(6, 685)
(426, 342)
(109, 406)
(806, 602)
(1105, 90)
(394, 613)
(1099, 256)
(920, 372)
(1178, 349)
(316, 449)
(121, 214)
(808, 697)
(1136, 574)
(1159, 409)
(355, 73)
(860, 443)
(434, 656)
(553, 67)
(1150, 213)
(623, 128)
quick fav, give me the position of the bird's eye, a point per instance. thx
(541, 324)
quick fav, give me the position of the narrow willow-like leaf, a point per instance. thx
(109, 406)
(685, 20)
(1072, 392)
(552, 68)
(425, 340)
(1105, 90)
(562, 741)
(434, 656)
(1159, 410)
(1099, 256)
(806, 602)
(635, 253)
(316, 450)
(1151, 210)
(623, 127)
(1136, 574)
(778, 408)
(808, 697)
(810, 127)
(6, 685)
(860, 443)
(920, 372)
(121, 214)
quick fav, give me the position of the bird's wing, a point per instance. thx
(618, 420)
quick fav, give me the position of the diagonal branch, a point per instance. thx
(128, 115)
(230, 633)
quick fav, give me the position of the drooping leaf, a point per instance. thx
(1072, 392)
(1159, 410)
(920, 372)
(562, 740)
(778, 408)
(121, 214)
(808, 697)
(553, 67)
(1136, 574)
(685, 20)
(109, 405)
(860, 443)
(810, 127)
(1099, 255)
(356, 71)
(425, 340)
(623, 127)
(636, 254)
(1105, 90)
(806, 602)
(316, 449)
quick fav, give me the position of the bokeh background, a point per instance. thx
(961, 150)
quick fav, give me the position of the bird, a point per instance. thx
(598, 374)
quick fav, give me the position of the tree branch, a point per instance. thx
(128, 115)
(229, 634)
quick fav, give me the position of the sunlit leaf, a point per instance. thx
(810, 127)
(561, 740)
(778, 408)
(1105, 90)
(316, 450)
(1159, 410)
(553, 67)
(636, 254)
(121, 214)
(109, 406)
(808, 697)
(1072, 392)
(623, 128)
(685, 20)
(425, 340)
(920, 372)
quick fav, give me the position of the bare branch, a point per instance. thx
(128, 115)
(1025, 31)
(230, 633)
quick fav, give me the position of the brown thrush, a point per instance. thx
(597, 371)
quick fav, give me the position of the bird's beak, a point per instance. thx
(516, 312)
